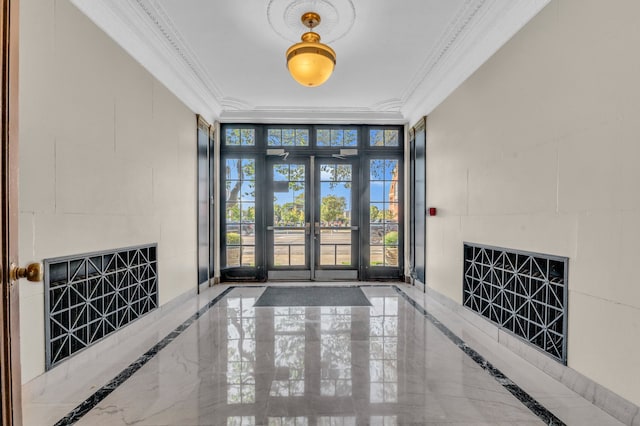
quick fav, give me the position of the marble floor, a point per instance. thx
(403, 360)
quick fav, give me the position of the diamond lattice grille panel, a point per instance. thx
(522, 292)
(89, 296)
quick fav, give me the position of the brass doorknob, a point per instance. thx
(33, 272)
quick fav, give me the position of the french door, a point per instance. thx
(312, 218)
(311, 202)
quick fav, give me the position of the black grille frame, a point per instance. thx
(91, 295)
(523, 292)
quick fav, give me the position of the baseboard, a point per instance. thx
(617, 406)
(419, 285)
(94, 352)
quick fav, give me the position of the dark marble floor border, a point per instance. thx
(538, 409)
(88, 404)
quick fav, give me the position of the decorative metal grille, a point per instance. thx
(91, 295)
(522, 292)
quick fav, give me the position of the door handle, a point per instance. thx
(307, 228)
(33, 272)
(317, 228)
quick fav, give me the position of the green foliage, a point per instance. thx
(240, 137)
(383, 170)
(377, 215)
(249, 215)
(233, 238)
(339, 175)
(332, 208)
(245, 171)
(391, 238)
(294, 173)
(290, 213)
(234, 214)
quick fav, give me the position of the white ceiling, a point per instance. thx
(396, 60)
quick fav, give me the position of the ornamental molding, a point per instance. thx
(146, 32)
(336, 18)
(480, 28)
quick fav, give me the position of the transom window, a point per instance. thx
(337, 137)
(288, 137)
(383, 137)
(240, 137)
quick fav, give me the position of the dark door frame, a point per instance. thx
(334, 272)
(303, 272)
(205, 203)
(313, 269)
(252, 142)
(417, 182)
(10, 374)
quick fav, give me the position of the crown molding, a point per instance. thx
(238, 111)
(144, 31)
(313, 116)
(389, 105)
(479, 30)
(235, 104)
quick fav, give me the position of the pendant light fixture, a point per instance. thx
(310, 62)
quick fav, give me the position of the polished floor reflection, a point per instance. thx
(244, 365)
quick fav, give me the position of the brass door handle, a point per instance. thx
(33, 272)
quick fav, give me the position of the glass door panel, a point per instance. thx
(288, 220)
(335, 214)
(336, 229)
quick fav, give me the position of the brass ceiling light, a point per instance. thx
(310, 62)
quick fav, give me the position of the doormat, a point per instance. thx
(312, 296)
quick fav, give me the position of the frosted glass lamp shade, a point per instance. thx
(311, 62)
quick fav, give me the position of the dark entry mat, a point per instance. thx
(313, 296)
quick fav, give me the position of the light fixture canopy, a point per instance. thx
(310, 62)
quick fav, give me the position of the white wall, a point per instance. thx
(540, 150)
(107, 159)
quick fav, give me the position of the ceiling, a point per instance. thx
(396, 60)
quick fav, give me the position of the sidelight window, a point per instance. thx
(383, 212)
(240, 217)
